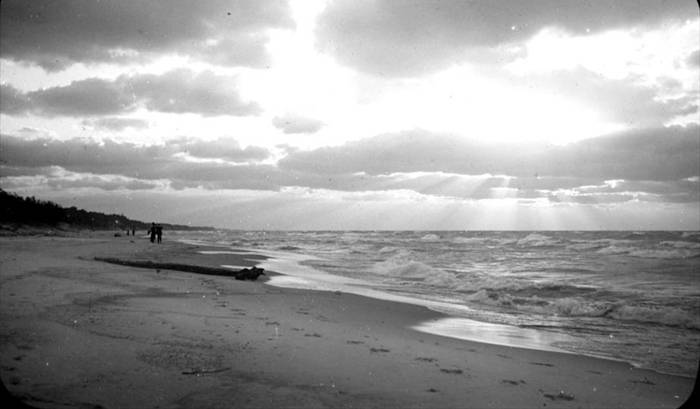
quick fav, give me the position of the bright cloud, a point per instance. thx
(357, 114)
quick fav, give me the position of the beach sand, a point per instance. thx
(76, 332)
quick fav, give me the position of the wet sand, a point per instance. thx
(75, 332)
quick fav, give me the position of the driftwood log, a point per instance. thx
(245, 274)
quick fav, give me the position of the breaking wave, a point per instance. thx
(430, 237)
(667, 253)
(581, 307)
(537, 240)
(399, 267)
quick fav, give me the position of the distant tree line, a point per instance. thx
(34, 212)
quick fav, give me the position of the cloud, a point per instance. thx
(55, 35)
(404, 38)
(81, 98)
(182, 91)
(642, 154)
(222, 148)
(12, 100)
(652, 165)
(116, 123)
(169, 161)
(308, 209)
(617, 100)
(693, 59)
(177, 91)
(291, 124)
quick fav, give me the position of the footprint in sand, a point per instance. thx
(354, 342)
(379, 350)
(426, 359)
(644, 381)
(452, 371)
(297, 329)
(541, 364)
(315, 334)
(272, 323)
(511, 382)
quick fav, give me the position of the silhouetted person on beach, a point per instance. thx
(133, 231)
(159, 232)
(152, 232)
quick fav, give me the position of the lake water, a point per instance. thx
(630, 296)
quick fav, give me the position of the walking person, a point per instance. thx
(152, 232)
(159, 232)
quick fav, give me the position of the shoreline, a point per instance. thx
(498, 334)
(195, 340)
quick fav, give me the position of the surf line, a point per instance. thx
(293, 274)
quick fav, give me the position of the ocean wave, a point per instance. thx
(288, 248)
(402, 268)
(681, 244)
(613, 249)
(591, 244)
(430, 237)
(583, 307)
(668, 253)
(537, 240)
(387, 249)
(469, 240)
(670, 316)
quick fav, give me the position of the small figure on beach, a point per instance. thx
(159, 232)
(152, 232)
(133, 231)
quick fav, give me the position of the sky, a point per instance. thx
(357, 114)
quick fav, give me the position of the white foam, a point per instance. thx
(221, 252)
(498, 334)
(537, 240)
(469, 240)
(681, 244)
(658, 253)
(659, 315)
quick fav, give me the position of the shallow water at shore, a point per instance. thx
(631, 296)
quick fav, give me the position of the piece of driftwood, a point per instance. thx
(244, 274)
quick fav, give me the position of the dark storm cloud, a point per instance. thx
(55, 34)
(177, 91)
(407, 37)
(116, 123)
(648, 154)
(291, 124)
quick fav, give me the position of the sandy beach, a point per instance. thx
(76, 332)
